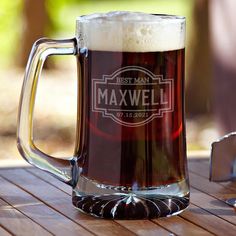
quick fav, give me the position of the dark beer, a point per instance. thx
(114, 152)
(130, 148)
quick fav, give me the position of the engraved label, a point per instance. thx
(113, 98)
(123, 97)
(102, 95)
(132, 96)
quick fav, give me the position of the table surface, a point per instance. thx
(34, 203)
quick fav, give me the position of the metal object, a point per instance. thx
(231, 202)
(223, 159)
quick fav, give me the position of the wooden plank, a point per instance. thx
(230, 185)
(211, 188)
(213, 205)
(208, 221)
(207, 216)
(3, 232)
(199, 167)
(37, 211)
(138, 227)
(50, 179)
(144, 227)
(181, 226)
(61, 202)
(202, 168)
(211, 196)
(16, 223)
(184, 225)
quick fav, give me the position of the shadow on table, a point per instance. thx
(222, 210)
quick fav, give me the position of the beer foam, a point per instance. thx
(131, 32)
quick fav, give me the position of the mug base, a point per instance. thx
(144, 204)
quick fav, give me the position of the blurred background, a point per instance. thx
(209, 75)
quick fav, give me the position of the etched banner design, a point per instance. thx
(132, 96)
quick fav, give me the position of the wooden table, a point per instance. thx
(34, 203)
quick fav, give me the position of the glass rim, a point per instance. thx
(160, 18)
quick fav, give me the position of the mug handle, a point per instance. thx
(65, 170)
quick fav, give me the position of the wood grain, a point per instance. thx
(206, 220)
(180, 226)
(138, 227)
(61, 202)
(38, 211)
(144, 227)
(213, 205)
(201, 168)
(3, 232)
(184, 225)
(50, 179)
(35, 203)
(16, 223)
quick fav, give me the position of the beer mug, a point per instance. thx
(130, 154)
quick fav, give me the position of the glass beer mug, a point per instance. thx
(130, 154)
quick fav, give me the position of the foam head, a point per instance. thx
(131, 32)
